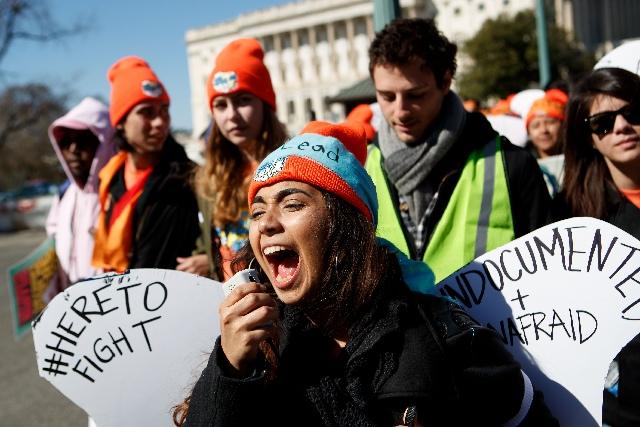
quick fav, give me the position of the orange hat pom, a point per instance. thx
(362, 115)
(352, 135)
(240, 67)
(132, 82)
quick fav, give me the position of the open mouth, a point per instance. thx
(284, 263)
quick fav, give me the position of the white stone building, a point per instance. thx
(315, 48)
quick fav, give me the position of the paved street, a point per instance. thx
(25, 398)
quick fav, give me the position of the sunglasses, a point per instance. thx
(84, 140)
(602, 123)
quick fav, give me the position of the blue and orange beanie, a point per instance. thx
(327, 156)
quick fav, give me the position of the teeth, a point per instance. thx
(273, 249)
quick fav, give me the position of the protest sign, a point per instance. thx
(127, 348)
(564, 299)
(28, 282)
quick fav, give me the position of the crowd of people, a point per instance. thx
(331, 217)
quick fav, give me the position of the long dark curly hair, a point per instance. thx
(356, 267)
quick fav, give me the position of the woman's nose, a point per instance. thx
(269, 223)
(160, 120)
(232, 111)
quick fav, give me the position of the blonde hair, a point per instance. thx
(222, 180)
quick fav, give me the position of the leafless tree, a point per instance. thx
(30, 20)
(26, 111)
(23, 106)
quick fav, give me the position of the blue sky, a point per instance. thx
(154, 30)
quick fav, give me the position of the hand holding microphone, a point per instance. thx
(247, 316)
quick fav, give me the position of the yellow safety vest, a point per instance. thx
(476, 220)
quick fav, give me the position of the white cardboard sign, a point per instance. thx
(127, 348)
(565, 299)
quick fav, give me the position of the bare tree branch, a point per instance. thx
(23, 106)
(30, 20)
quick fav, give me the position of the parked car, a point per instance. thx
(27, 207)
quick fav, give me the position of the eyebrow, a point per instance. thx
(410, 90)
(281, 195)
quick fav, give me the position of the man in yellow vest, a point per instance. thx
(449, 187)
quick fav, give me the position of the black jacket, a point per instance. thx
(623, 410)
(528, 194)
(165, 221)
(411, 350)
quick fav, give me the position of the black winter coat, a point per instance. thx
(411, 351)
(165, 221)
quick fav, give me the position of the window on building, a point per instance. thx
(303, 37)
(328, 114)
(341, 30)
(480, 6)
(285, 40)
(505, 2)
(456, 11)
(308, 109)
(321, 34)
(267, 43)
(291, 110)
(360, 26)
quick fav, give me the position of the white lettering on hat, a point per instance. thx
(225, 81)
(151, 88)
(269, 170)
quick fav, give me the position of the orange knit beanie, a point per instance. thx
(239, 67)
(551, 105)
(132, 82)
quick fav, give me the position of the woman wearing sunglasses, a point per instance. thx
(602, 153)
(602, 180)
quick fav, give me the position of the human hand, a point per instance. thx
(247, 317)
(196, 264)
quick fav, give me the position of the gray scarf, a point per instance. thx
(408, 166)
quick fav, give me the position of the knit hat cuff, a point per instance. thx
(545, 107)
(311, 172)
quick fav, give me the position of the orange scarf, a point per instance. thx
(113, 241)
